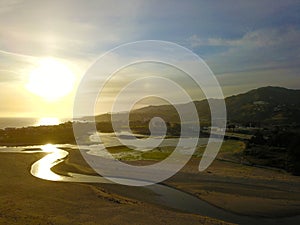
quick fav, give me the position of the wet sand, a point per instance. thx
(29, 200)
(240, 189)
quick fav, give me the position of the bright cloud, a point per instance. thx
(240, 40)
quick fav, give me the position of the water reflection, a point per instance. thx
(47, 121)
(164, 195)
(42, 167)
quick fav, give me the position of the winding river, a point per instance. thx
(164, 195)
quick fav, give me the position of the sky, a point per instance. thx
(246, 44)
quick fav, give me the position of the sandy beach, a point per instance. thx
(236, 188)
(29, 200)
(241, 189)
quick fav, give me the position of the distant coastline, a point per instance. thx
(19, 122)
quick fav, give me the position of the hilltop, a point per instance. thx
(266, 105)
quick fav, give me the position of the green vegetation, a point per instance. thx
(274, 112)
(276, 148)
(262, 106)
(127, 154)
(231, 147)
(228, 148)
(119, 149)
(157, 154)
(265, 106)
(59, 134)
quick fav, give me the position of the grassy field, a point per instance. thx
(232, 146)
(229, 147)
(235, 187)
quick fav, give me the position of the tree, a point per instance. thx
(294, 154)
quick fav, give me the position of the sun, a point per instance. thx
(51, 80)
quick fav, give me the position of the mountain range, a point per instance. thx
(262, 106)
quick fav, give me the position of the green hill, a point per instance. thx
(266, 105)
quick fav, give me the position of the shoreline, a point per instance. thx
(234, 185)
(25, 199)
(205, 186)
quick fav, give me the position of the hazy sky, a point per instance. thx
(247, 44)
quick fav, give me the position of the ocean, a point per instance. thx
(6, 122)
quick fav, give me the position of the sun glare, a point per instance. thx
(47, 121)
(49, 148)
(51, 80)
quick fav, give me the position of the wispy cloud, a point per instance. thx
(261, 49)
(240, 40)
(8, 5)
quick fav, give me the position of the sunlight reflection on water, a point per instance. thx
(42, 168)
(164, 195)
(47, 121)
